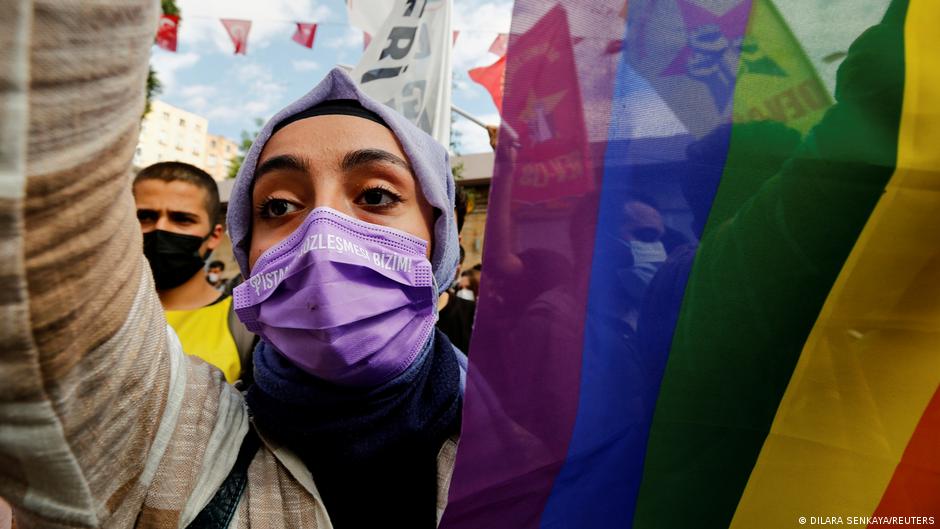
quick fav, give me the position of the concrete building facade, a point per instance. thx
(169, 134)
(219, 154)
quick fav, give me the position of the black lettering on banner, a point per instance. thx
(411, 96)
(380, 73)
(410, 7)
(396, 49)
(424, 122)
(424, 43)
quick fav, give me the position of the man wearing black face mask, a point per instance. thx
(178, 208)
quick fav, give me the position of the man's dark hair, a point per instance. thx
(460, 204)
(463, 254)
(183, 172)
(478, 267)
(217, 264)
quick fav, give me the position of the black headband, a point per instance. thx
(345, 107)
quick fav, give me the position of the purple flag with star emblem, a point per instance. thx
(689, 54)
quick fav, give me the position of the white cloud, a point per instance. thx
(305, 65)
(166, 64)
(467, 88)
(224, 113)
(351, 38)
(479, 24)
(197, 98)
(250, 71)
(473, 138)
(198, 90)
(258, 95)
(271, 19)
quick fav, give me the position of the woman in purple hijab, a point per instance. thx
(342, 221)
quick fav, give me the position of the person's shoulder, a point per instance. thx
(464, 305)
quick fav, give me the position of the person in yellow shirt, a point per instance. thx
(179, 210)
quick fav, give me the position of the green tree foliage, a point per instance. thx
(169, 7)
(153, 89)
(247, 139)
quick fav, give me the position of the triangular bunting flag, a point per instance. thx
(492, 77)
(238, 31)
(500, 44)
(166, 32)
(305, 34)
(456, 34)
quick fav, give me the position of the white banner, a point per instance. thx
(407, 64)
(368, 15)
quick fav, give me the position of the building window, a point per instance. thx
(210, 161)
(228, 148)
(162, 137)
(198, 127)
(212, 142)
(182, 122)
(166, 116)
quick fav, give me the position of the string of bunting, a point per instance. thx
(238, 30)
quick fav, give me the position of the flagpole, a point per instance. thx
(513, 135)
(467, 115)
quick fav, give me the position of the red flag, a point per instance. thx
(166, 32)
(238, 31)
(366, 39)
(305, 34)
(546, 112)
(492, 78)
(456, 34)
(500, 44)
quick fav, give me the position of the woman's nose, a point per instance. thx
(331, 195)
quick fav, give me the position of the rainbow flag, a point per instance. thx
(711, 289)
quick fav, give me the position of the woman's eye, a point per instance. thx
(378, 197)
(277, 207)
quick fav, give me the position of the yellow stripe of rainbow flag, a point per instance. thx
(872, 361)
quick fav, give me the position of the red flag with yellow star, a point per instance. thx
(548, 115)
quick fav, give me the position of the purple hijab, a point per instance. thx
(428, 159)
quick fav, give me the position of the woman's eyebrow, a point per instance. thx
(282, 162)
(358, 158)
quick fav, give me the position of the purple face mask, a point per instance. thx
(347, 301)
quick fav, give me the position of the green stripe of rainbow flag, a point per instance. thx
(804, 371)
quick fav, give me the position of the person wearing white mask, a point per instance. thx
(214, 275)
